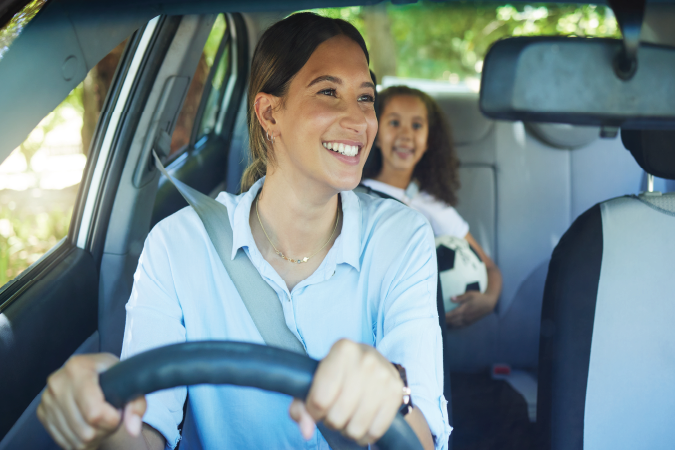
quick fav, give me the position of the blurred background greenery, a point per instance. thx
(25, 236)
(10, 32)
(444, 42)
(448, 41)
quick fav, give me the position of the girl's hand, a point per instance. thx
(473, 306)
(355, 391)
(73, 408)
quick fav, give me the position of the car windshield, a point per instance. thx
(446, 43)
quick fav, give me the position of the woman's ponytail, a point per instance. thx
(255, 171)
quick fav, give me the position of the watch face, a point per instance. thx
(406, 396)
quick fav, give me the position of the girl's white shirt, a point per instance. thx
(444, 219)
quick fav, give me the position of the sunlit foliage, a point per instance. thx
(446, 41)
(17, 23)
(26, 236)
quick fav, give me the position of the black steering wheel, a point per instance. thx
(226, 362)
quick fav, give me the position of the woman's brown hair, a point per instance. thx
(280, 54)
(437, 170)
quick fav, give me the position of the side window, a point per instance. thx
(207, 80)
(39, 180)
(216, 91)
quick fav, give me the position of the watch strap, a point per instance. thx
(407, 405)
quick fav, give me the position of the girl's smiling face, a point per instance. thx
(403, 132)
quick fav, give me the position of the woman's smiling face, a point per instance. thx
(404, 129)
(326, 124)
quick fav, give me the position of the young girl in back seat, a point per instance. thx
(413, 160)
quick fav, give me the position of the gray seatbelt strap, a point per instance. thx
(260, 299)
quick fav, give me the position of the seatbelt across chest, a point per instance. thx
(261, 301)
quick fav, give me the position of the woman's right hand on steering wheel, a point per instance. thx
(73, 408)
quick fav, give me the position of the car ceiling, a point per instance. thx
(68, 37)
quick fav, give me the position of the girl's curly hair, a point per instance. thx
(437, 171)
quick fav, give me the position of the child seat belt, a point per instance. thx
(260, 299)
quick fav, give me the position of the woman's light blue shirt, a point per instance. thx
(376, 285)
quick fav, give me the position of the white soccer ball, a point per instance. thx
(460, 269)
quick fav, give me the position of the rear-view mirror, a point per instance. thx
(576, 81)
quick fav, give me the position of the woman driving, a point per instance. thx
(356, 277)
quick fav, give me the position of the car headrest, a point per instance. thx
(562, 135)
(468, 124)
(654, 150)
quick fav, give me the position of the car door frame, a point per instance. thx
(50, 311)
(54, 297)
(203, 164)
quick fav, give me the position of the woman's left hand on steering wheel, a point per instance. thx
(356, 391)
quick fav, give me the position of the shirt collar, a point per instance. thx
(347, 245)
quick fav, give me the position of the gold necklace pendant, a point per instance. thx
(294, 261)
(278, 252)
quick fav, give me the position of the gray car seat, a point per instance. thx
(607, 348)
(522, 187)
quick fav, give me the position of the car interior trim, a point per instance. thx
(54, 315)
(165, 115)
(195, 139)
(197, 167)
(62, 31)
(172, 95)
(124, 221)
(567, 318)
(631, 351)
(562, 135)
(663, 203)
(13, 288)
(99, 135)
(232, 80)
(102, 160)
(654, 150)
(522, 80)
(27, 432)
(128, 137)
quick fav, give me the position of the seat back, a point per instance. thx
(607, 348)
(522, 186)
